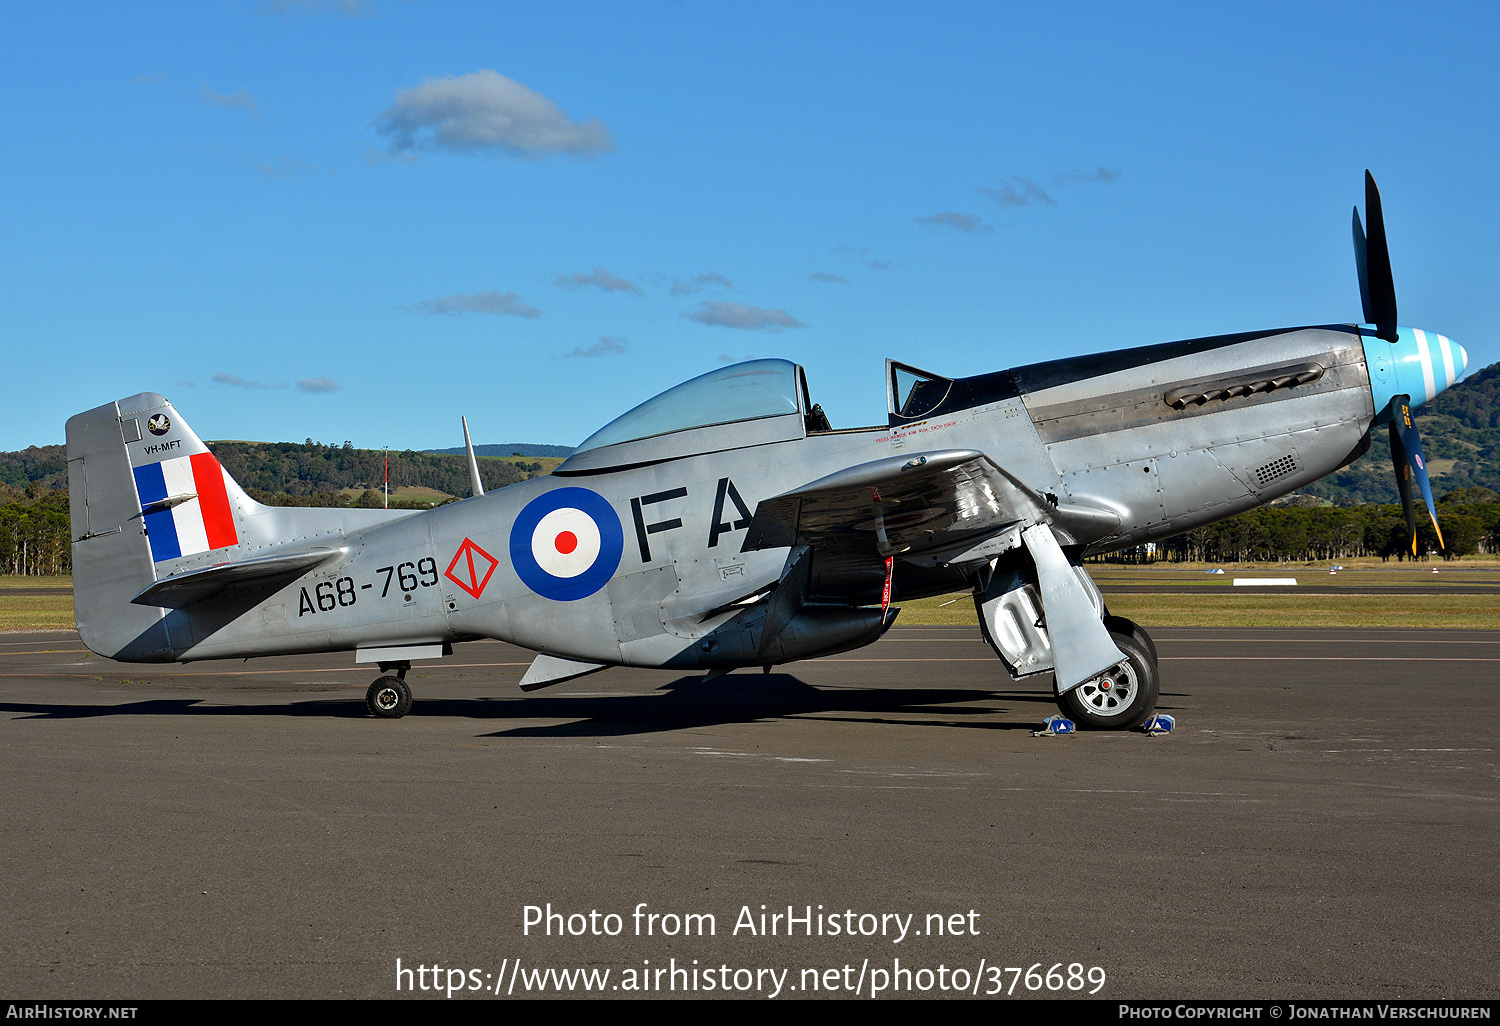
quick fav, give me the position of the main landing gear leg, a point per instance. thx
(1124, 695)
(389, 698)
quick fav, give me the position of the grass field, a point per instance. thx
(35, 612)
(1186, 597)
(1192, 608)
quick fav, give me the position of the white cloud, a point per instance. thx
(240, 98)
(286, 168)
(490, 302)
(1102, 175)
(952, 219)
(235, 381)
(1019, 192)
(606, 346)
(485, 111)
(739, 315)
(829, 277)
(303, 384)
(600, 279)
(699, 282)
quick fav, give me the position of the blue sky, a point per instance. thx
(358, 220)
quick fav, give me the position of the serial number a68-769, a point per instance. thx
(326, 596)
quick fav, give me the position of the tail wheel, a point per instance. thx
(1121, 697)
(388, 698)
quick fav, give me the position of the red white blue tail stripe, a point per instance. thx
(200, 520)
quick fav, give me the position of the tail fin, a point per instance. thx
(147, 499)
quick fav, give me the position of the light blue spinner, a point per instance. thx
(1420, 364)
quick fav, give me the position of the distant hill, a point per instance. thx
(45, 466)
(298, 468)
(1460, 434)
(272, 469)
(510, 449)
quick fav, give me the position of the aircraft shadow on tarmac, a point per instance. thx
(685, 702)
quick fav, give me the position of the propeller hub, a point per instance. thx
(1419, 364)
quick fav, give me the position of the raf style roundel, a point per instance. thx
(566, 544)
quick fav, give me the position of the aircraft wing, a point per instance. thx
(943, 506)
(949, 507)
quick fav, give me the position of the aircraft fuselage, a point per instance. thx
(1093, 434)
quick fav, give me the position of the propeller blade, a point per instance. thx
(1377, 287)
(1403, 480)
(1406, 454)
(1361, 262)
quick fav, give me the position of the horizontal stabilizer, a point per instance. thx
(190, 586)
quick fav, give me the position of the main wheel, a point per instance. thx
(389, 698)
(1122, 696)
(1120, 625)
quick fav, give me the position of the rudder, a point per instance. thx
(146, 498)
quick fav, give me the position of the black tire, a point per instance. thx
(388, 698)
(1120, 698)
(1120, 625)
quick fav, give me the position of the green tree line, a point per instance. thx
(306, 468)
(34, 537)
(1470, 521)
(34, 525)
(298, 468)
(34, 531)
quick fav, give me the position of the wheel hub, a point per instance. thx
(387, 698)
(1110, 693)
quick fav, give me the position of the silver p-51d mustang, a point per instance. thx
(726, 524)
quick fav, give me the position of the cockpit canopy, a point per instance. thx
(745, 391)
(744, 404)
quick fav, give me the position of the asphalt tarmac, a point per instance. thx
(1322, 824)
